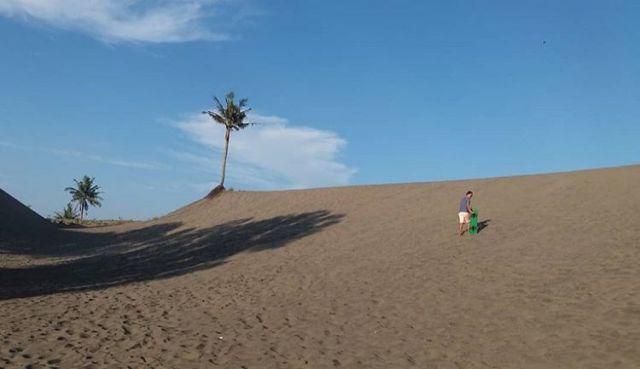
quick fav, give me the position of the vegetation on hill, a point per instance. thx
(86, 193)
(231, 115)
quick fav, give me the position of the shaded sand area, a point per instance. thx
(357, 277)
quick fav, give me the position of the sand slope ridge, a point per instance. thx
(354, 277)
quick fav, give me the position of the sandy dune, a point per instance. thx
(357, 277)
(19, 223)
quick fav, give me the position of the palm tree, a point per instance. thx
(231, 116)
(84, 194)
(67, 214)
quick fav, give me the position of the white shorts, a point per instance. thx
(464, 217)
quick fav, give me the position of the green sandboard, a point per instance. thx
(473, 228)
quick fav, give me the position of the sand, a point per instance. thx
(355, 277)
(18, 222)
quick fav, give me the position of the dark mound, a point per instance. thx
(18, 223)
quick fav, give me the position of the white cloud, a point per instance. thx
(122, 20)
(270, 155)
(102, 159)
(85, 156)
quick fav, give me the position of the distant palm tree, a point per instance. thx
(231, 116)
(67, 214)
(84, 194)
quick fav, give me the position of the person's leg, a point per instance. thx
(464, 219)
(461, 219)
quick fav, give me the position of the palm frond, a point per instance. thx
(218, 104)
(216, 116)
(229, 98)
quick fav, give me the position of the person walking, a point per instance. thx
(464, 212)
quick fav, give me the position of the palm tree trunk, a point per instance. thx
(226, 151)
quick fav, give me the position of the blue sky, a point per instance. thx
(354, 92)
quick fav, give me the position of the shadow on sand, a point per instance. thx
(482, 225)
(155, 252)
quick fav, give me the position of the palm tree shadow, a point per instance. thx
(156, 252)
